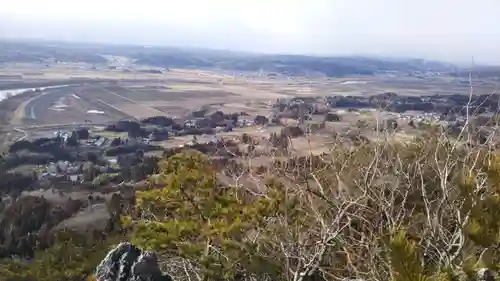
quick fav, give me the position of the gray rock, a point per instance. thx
(128, 263)
(485, 274)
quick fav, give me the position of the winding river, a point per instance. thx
(12, 92)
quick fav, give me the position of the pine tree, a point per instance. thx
(197, 219)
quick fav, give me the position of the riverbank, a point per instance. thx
(13, 85)
(9, 104)
(12, 110)
(8, 108)
(14, 92)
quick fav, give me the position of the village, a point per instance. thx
(128, 150)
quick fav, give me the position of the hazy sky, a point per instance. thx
(441, 29)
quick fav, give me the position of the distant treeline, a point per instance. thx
(455, 103)
(287, 64)
(166, 57)
(479, 72)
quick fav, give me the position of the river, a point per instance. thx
(12, 92)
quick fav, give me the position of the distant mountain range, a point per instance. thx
(169, 57)
(289, 64)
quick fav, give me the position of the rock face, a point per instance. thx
(128, 263)
(29, 220)
(485, 274)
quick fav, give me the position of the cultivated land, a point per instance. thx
(107, 96)
(99, 97)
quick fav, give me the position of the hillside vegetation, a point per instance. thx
(423, 210)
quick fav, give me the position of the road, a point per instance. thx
(25, 130)
(25, 134)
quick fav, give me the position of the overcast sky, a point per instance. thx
(452, 30)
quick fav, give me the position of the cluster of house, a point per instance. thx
(94, 141)
(62, 170)
(421, 117)
(207, 123)
(69, 172)
(224, 125)
(63, 135)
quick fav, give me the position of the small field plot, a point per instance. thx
(194, 94)
(145, 95)
(148, 94)
(110, 135)
(173, 110)
(126, 93)
(315, 144)
(182, 87)
(102, 95)
(247, 107)
(139, 111)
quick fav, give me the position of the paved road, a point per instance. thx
(25, 134)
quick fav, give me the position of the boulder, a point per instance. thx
(485, 274)
(126, 262)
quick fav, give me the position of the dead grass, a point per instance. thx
(139, 111)
(109, 134)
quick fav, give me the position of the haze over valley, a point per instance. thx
(444, 30)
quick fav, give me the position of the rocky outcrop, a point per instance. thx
(27, 221)
(485, 274)
(128, 263)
